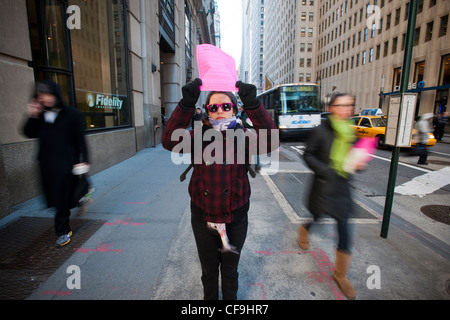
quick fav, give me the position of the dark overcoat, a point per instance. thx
(61, 145)
(328, 193)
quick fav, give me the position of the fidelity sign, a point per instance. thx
(101, 101)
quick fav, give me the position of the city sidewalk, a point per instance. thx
(143, 248)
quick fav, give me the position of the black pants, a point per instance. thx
(423, 155)
(58, 192)
(212, 260)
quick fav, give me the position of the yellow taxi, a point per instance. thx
(375, 126)
(371, 126)
(430, 142)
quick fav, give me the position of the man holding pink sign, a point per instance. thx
(219, 187)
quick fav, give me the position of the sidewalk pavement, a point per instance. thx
(445, 138)
(145, 250)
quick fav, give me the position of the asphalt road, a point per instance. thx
(417, 186)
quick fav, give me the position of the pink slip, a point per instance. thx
(217, 69)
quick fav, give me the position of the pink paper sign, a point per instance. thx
(216, 68)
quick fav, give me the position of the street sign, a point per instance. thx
(400, 119)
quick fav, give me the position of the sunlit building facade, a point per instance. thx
(361, 51)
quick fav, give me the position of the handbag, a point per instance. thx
(81, 188)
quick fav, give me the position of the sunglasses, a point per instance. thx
(213, 108)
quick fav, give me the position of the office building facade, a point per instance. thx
(121, 63)
(355, 46)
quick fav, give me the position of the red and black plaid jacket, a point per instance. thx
(218, 188)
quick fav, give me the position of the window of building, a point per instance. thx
(406, 11)
(91, 67)
(100, 68)
(394, 45)
(416, 36)
(396, 78)
(429, 31)
(419, 72)
(397, 16)
(443, 26)
(388, 21)
(302, 47)
(187, 32)
(50, 45)
(419, 6)
(444, 78)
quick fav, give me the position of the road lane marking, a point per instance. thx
(444, 154)
(425, 184)
(295, 219)
(403, 164)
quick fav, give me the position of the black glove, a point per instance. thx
(247, 93)
(191, 93)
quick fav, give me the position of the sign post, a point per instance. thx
(400, 119)
(407, 59)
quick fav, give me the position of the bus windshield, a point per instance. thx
(299, 99)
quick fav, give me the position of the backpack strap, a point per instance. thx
(183, 175)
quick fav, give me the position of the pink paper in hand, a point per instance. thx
(216, 68)
(369, 145)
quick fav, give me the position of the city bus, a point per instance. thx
(295, 108)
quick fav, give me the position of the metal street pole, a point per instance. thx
(407, 58)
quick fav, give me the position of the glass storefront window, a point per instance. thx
(99, 64)
(90, 64)
(56, 47)
(50, 44)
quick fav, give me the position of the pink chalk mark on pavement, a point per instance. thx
(326, 268)
(101, 248)
(124, 223)
(57, 293)
(263, 288)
